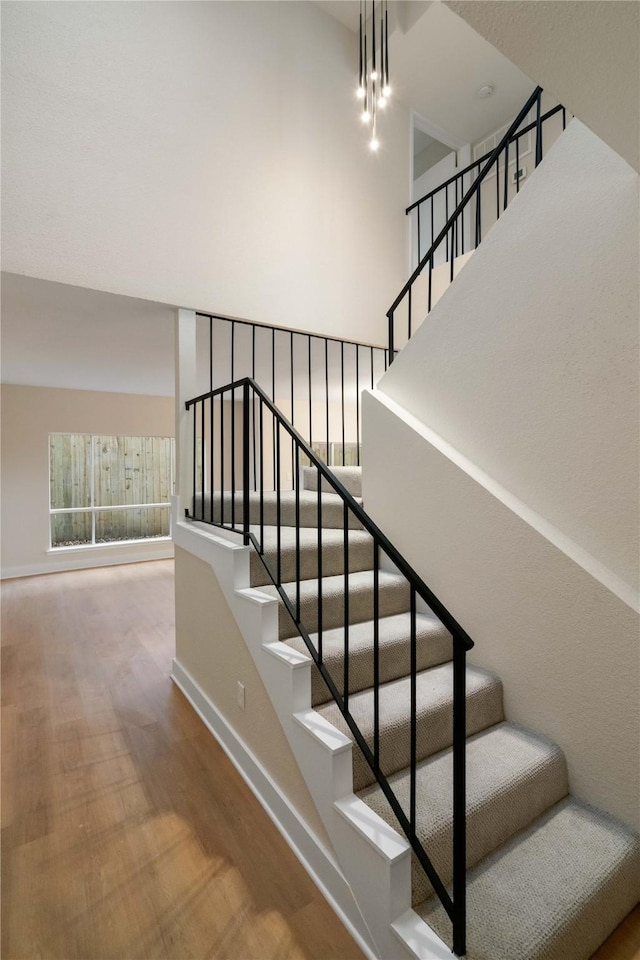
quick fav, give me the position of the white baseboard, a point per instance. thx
(318, 862)
(84, 561)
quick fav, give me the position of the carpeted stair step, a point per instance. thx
(349, 477)
(556, 891)
(433, 646)
(393, 597)
(360, 553)
(434, 698)
(332, 509)
(512, 778)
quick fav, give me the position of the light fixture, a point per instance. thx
(373, 85)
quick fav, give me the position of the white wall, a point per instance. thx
(528, 365)
(586, 54)
(29, 415)
(203, 154)
(564, 645)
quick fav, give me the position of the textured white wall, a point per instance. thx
(529, 363)
(203, 154)
(564, 645)
(584, 52)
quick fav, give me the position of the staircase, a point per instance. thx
(549, 878)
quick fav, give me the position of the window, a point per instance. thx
(109, 489)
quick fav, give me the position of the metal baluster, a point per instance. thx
(192, 509)
(273, 396)
(342, 393)
(245, 462)
(326, 393)
(453, 228)
(419, 247)
(211, 472)
(479, 237)
(297, 470)
(459, 797)
(278, 505)
(517, 164)
(564, 119)
(202, 461)
(319, 480)
(432, 236)
(506, 176)
(414, 712)
(357, 404)
(210, 353)
(456, 207)
(446, 219)
(222, 459)
(371, 349)
(409, 313)
(430, 282)
(346, 605)
(261, 475)
(462, 214)
(538, 129)
(391, 344)
(498, 187)
(233, 429)
(253, 419)
(376, 655)
(310, 414)
(293, 473)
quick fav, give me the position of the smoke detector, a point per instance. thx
(486, 90)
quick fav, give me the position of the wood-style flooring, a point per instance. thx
(126, 831)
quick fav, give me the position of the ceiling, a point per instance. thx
(62, 336)
(56, 335)
(437, 63)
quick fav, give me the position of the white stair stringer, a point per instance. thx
(374, 858)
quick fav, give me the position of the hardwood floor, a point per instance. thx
(126, 832)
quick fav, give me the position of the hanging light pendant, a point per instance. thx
(373, 83)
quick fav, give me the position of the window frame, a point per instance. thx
(93, 509)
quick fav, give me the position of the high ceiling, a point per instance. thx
(437, 65)
(62, 336)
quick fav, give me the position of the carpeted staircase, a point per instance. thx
(549, 877)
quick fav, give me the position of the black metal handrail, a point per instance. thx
(327, 364)
(450, 241)
(208, 427)
(486, 156)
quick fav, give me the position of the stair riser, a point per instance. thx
(392, 599)
(360, 558)
(349, 477)
(332, 512)
(394, 662)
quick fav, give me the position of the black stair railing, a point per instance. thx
(317, 380)
(267, 493)
(466, 224)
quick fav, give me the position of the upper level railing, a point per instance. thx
(316, 380)
(467, 205)
(269, 498)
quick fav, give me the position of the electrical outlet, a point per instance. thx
(240, 695)
(519, 174)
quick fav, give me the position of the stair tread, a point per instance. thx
(513, 776)
(393, 598)
(434, 698)
(433, 646)
(554, 892)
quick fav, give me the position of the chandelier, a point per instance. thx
(373, 88)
